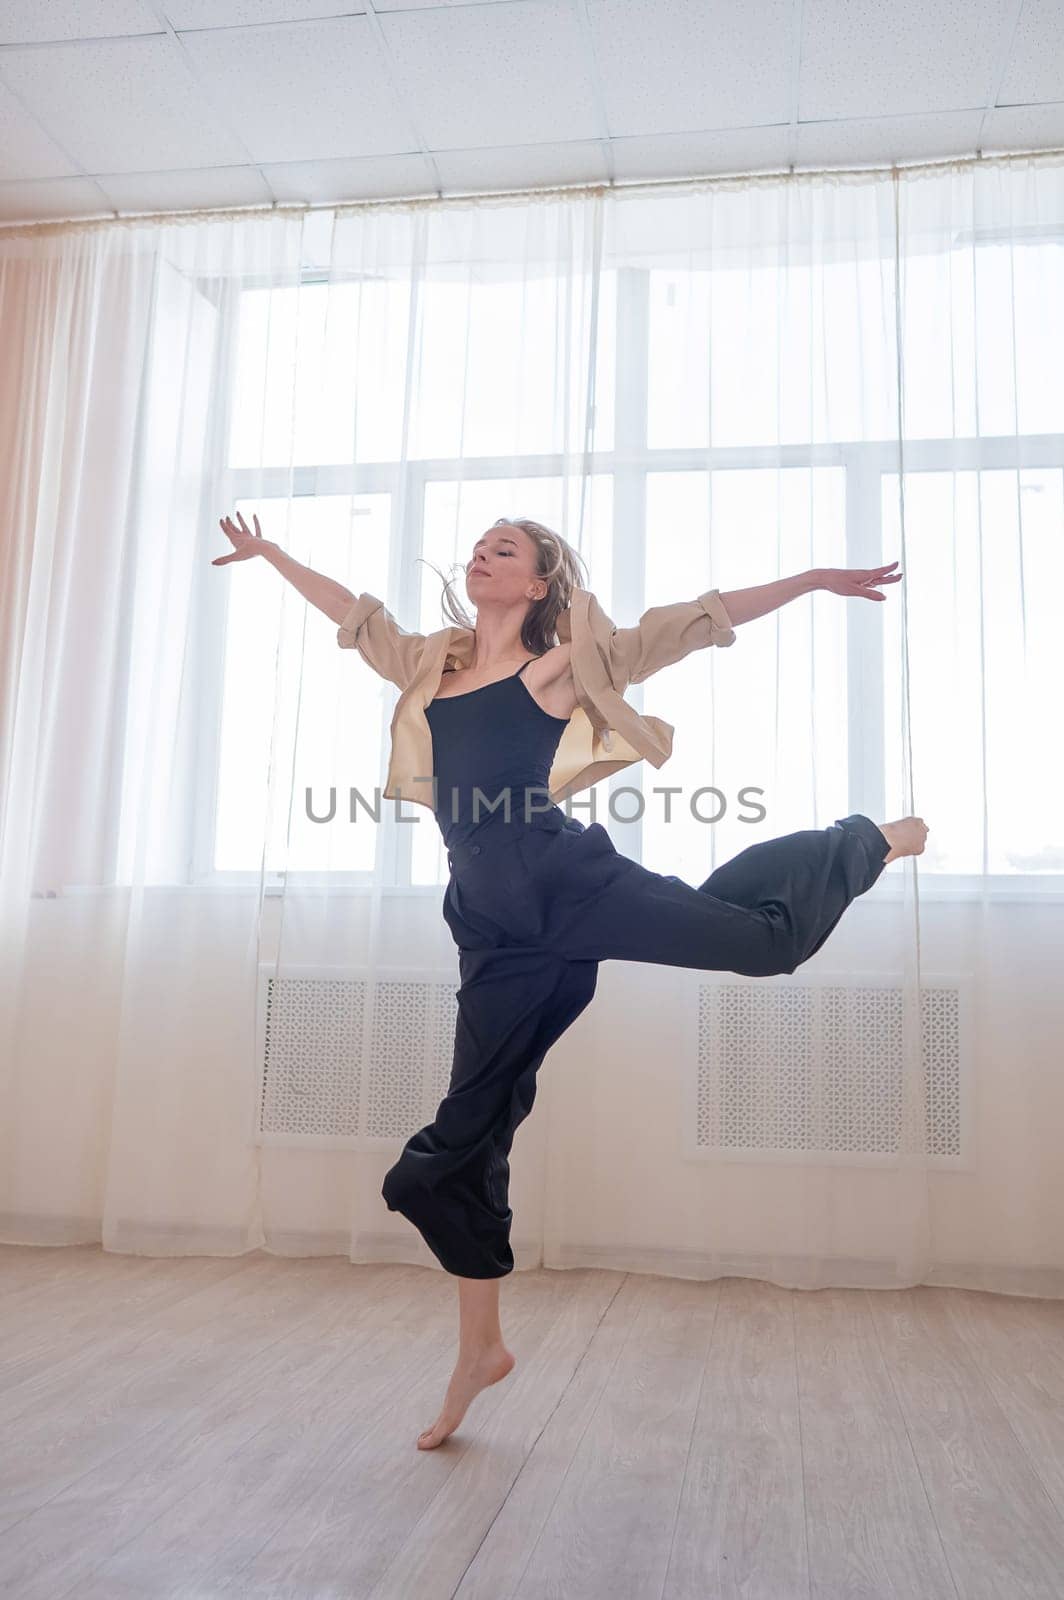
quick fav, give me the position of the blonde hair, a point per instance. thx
(561, 567)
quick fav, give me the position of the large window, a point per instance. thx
(803, 471)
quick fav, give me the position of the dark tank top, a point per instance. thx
(492, 739)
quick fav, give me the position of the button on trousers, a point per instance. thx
(533, 908)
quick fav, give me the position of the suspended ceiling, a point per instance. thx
(124, 106)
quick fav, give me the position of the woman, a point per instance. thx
(536, 899)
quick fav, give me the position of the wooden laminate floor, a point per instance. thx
(202, 1427)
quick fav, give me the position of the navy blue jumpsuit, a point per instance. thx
(534, 901)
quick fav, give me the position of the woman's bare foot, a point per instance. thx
(473, 1373)
(906, 837)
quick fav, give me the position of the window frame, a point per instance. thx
(865, 464)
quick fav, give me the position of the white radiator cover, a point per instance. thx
(773, 1070)
(350, 1059)
(811, 1071)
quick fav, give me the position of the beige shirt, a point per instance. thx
(605, 734)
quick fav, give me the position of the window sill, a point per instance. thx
(933, 888)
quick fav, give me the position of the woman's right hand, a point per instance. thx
(245, 543)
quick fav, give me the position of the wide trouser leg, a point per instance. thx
(762, 913)
(452, 1178)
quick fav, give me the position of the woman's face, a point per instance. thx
(503, 568)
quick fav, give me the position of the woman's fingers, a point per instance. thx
(240, 538)
(237, 535)
(860, 580)
(878, 576)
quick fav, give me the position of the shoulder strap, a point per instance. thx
(524, 664)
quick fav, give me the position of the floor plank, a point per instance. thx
(741, 1528)
(870, 1528)
(1000, 1528)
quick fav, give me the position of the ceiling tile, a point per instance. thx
(676, 66)
(51, 197)
(861, 58)
(880, 141)
(1024, 128)
(374, 178)
(686, 155)
(204, 187)
(243, 13)
(527, 166)
(25, 149)
(315, 101)
(425, 5)
(125, 105)
(484, 76)
(1036, 61)
(306, 92)
(26, 21)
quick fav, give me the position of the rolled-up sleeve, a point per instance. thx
(370, 628)
(665, 634)
(713, 606)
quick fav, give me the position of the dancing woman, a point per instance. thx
(504, 717)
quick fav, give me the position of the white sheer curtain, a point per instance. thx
(220, 1018)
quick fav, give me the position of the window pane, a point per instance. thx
(790, 354)
(985, 665)
(499, 370)
(772, 717)
(320, 374)
(772, 356)
(330, 707)
(983, 341)
(492, 373)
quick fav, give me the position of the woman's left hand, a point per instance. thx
(858, 580)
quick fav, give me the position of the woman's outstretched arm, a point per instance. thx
(743, 605)
(325, 593)
(665, 634)
(365, 622)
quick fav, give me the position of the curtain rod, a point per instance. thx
(440, 201)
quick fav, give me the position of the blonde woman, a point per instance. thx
(506, 714)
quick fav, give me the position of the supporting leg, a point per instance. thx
(483, 1358)
(452, 1178)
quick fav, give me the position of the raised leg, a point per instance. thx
(763, 913)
